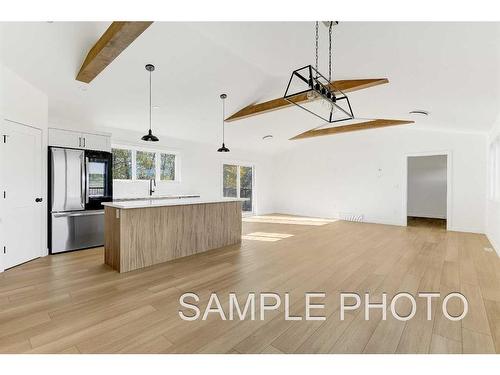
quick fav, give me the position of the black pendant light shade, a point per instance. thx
(223, 148)
(150, 137)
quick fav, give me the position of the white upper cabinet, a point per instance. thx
(96, 142)
(72, 139)
(64, 138)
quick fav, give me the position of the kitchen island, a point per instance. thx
(142, 233)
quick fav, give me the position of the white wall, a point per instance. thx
(427, 186)
(21, 102)
(493, 206)
(364, 173)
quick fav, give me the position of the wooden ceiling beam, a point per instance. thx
(349, 85)
(345, 85)
(372, 124)
(114, 41)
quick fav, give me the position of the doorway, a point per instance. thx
(238, 182)
(427, 191)
(21, 207)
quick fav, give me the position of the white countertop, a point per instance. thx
(167, 202)
(147, 198)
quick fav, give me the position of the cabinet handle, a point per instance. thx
(84, 142)
(79, 141)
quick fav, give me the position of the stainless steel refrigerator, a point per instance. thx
(79, 181)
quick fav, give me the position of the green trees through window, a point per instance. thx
(147, 164)
(238, 183)
(230, 183)
(122, 164)
(167, 167)
(246, 187)
(145, 168)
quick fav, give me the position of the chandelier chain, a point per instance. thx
(330, 52)
(317, 45)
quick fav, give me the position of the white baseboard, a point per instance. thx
(428, 216)
(495, 245)
(466, 230)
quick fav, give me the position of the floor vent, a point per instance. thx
(488, 249)
(351, 217)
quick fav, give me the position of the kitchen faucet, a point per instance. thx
(152, 186)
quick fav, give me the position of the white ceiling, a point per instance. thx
(451, 70)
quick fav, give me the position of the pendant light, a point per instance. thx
(335, 105)
(223, 148)
(150, 137)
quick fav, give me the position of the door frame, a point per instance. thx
(43, 248)
(254, 192)
(449, 185)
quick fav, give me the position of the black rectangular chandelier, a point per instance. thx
(311, 91)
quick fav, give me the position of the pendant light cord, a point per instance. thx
(150, 102)
(223, 115)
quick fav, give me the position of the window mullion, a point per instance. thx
(158, 166)
(134, 165)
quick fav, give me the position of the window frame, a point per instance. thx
(155, 164)
(132, 166)
(240, 164)
(157, 151)
(159, 166)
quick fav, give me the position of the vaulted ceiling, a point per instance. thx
(451, 70)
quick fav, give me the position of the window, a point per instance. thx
(238, 183)
(144, 164)
(122, 164)
(167, 167)
(230, 183)
(246, 187)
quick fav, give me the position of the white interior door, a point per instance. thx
(21, 189)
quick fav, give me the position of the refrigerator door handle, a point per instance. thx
(87, 191)
(82, 184)
(73, 214)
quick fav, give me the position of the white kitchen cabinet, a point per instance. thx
(64, 138)
(96, 142)
(81, 140)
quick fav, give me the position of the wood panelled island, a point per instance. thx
(143, 233)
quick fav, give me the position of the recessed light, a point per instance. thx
(156, 106)
(419, 112)
(269, 136)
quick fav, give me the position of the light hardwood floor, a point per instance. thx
(73, 303)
